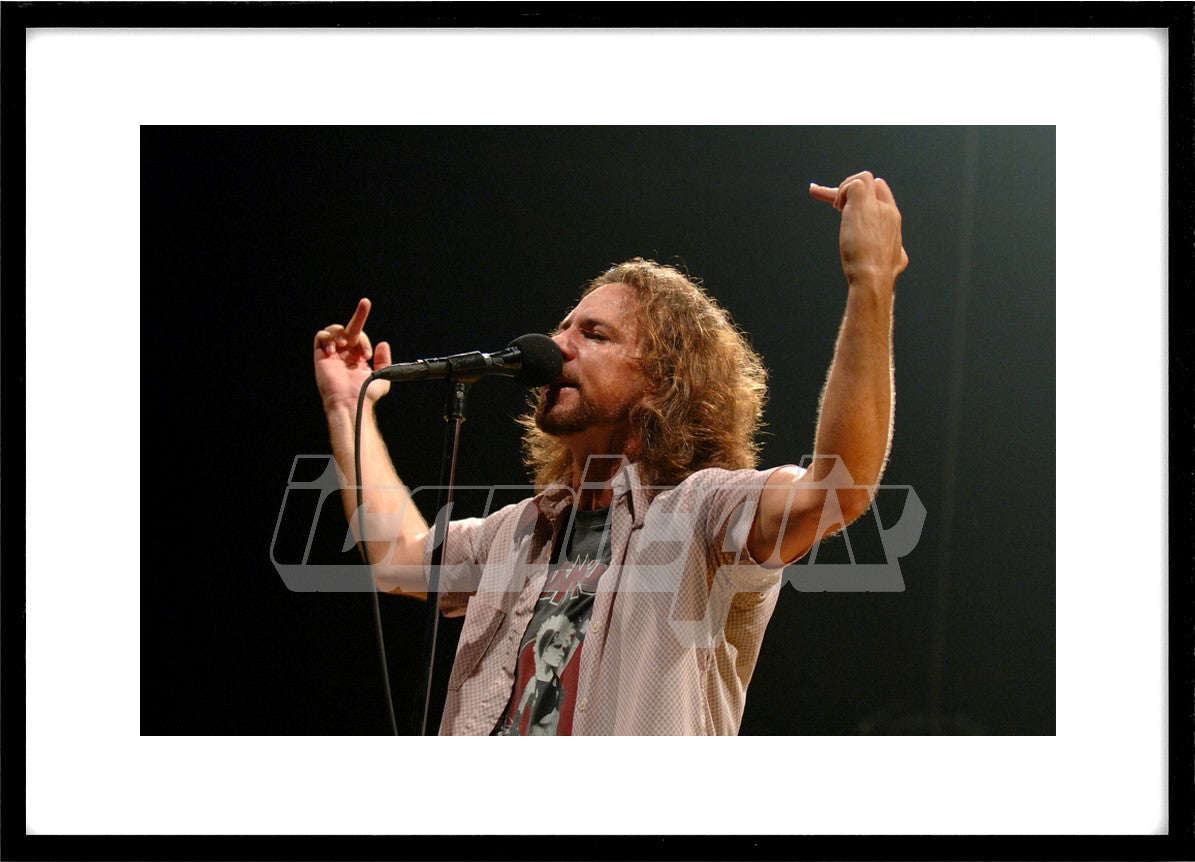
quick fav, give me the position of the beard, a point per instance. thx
(560, 420)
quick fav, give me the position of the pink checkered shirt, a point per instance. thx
(677, 620)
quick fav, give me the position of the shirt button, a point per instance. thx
(582, 703)
(595, 627)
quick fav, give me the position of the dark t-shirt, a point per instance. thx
(545, 688)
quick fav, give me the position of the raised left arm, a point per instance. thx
(856, 412)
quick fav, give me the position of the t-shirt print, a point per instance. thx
(546, 672)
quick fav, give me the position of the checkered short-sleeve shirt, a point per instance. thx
(677, 621)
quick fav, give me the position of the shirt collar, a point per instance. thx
(555, 499)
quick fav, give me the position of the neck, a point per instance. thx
(591, 476)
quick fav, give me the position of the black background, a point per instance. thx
(464, 237)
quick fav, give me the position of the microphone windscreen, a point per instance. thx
(541, 359)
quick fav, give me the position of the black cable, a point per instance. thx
(377, 610)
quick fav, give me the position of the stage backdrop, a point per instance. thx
(465, 237)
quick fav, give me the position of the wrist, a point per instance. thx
(341, 412)
(871, 280)
(870, 270)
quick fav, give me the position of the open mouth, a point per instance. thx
(559, 385)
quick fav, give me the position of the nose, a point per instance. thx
(565, 343)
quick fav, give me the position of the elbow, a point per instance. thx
(853, 503)
(836, 510)
(814, 512)
(400, 580)
(402, 572)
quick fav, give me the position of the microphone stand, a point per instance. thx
(454, 417)
(532, 359)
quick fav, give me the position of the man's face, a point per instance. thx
(601, 378)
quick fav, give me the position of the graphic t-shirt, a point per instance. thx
(545, 689)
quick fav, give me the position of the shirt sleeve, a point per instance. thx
(732, 499)
(467, 548)
(460, 565)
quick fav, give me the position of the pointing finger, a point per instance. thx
(358, 321)
(822, 193)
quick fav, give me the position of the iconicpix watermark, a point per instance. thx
(312, 498)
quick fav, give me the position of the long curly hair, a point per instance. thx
(708, 385)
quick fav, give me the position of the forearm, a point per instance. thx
(857, 406)
(394, 528)
(854, 425)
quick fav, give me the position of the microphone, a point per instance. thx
(532, 359)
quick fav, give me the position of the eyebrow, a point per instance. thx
(590, 322)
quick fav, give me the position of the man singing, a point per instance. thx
(631, 593)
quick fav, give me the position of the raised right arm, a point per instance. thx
(395, 529)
